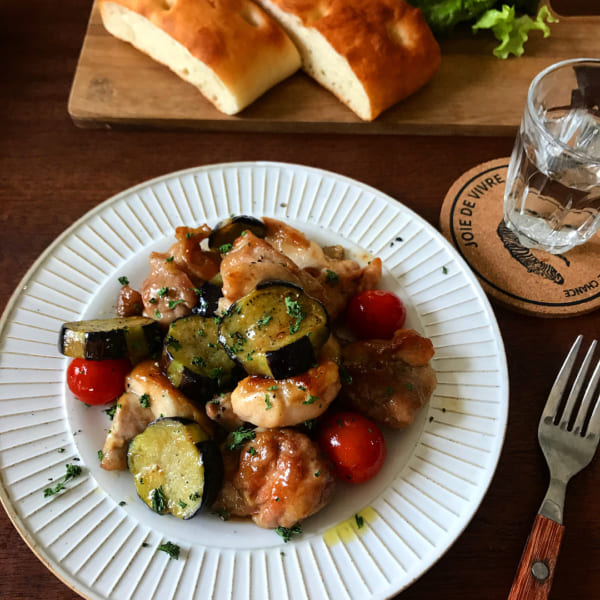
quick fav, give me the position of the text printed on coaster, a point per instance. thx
(530, 281)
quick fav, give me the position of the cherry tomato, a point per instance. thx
(97, 381)
(375, 314)
(354, 444)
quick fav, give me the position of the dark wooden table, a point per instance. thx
(51, 173)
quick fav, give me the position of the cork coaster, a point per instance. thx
(530, 281)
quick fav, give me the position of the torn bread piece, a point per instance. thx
(231, 50)
(369, 53)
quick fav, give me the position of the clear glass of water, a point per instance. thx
(552, 195)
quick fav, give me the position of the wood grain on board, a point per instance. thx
(473, 93)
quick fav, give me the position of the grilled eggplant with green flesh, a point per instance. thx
(177, 470)
(276, 330)
(226, 232)
(194, 361)
(102, 339)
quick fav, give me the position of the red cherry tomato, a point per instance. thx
(354, 444)
(375, 314)
(97, 381)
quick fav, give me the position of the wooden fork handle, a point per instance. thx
(536, 569)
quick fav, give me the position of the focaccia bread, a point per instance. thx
(231, 50)
(369, 53)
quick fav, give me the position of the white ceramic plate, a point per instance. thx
(99, 539)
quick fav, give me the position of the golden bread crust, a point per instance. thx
(234, 38)
(387, 43)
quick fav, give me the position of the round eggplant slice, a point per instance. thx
(275, 331)
(209, 295)
(194, 361)
(226, 232)
(102, 339)
(176, 469)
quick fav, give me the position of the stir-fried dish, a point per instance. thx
(251, 372)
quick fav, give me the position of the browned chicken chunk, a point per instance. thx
(253, 260)
(390, 379)
(278, 479)
(129, 302)
(148, 396)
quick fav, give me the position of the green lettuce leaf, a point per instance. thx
(443, 15)
(513, 31)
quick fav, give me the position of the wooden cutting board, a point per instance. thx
(473, 93)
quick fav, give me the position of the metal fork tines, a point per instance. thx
(568, 434)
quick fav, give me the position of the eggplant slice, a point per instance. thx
(177, 470)
(226, 232)
(275, 331)
(209, 295)
(102, 339)
(194, 361)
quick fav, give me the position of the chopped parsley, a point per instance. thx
(294, 309)
(252, 451)
(345, 376)
(111, 411)
(445, 270)
(216, 373)
(159, 500)
(123, 280)
(100, 455)
(286, 533)
(311, 399)
(318, 473)
(198, 361)
(164, 291)
(145, 400)
(240, 436)
(122, 503)
(174, 303)
(171, 549)
(273, 387)
(268, 402)
(332, 277)
(195, 496)
(200, 333)
(409, 386)
(222, 514)
(72, 471)
(189, 235)
(152, 300)
(170, 259)
(181, 503)
(359, 520)
(262, 322)
(225, 248)
(173, 342)
(157, 313)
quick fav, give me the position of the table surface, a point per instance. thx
(51, 173)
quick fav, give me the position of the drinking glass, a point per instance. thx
(552, 195)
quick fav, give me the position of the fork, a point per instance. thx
(569, 441)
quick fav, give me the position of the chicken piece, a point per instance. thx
(340, 278)
(220, 410)
(148, 396)
(168, 292)
(278, 479)
(390, 379)
(267, 402)
(303, 252)
(253, 260)
(130, 419)
(129, 302)
(199, 265)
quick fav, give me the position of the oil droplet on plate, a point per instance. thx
(349, 530)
